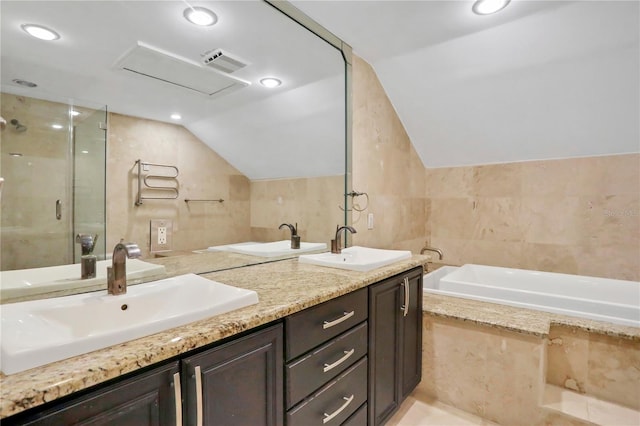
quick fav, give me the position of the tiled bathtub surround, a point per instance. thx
(577, 216)
(601, 366)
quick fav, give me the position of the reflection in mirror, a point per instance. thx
(274, 155)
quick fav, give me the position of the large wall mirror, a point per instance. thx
(136, 80)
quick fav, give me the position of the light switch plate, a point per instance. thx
(161, 232)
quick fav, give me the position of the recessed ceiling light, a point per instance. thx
(74, 113)
(38, 31)
(176, 116)
(24, 83)
(200, 16)
(270, 82)
(487, 7)
(85, 152)
(57, 126)
(15, 154)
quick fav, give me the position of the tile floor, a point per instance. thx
(415, 412)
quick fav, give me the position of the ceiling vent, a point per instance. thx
(165, 67)
(223, 61)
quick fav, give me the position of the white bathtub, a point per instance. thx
(601, 299)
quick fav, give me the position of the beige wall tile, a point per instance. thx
(203, 175)
(614, 370)
(493, 374)
(568, 358)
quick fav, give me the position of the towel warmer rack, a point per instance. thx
(172, 176)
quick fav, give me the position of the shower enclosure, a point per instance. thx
(53, 165)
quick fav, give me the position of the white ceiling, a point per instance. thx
(538, 80)
(294, 130)
(541, 79)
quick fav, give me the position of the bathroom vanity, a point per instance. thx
(323, 346)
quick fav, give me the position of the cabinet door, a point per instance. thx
(238, 383)
(385, 321)
(395, 343)
(412, 337)
(145, 399)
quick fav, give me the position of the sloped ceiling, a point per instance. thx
(538, 80)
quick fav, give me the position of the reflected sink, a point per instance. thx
(42, 331)
(277, 248)
(356, 258)
(27, 282)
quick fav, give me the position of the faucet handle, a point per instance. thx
(133, 250)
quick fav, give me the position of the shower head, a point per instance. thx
(19, 127)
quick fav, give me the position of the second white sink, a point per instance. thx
(42, 331)
(356, 258)
(275, 249)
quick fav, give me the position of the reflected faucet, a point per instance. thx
(437, 250)
(335, 243)
(295, 238)
(117, 272)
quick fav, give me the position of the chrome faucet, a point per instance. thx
(335, 243)
(117, 272)
(427, 248)
(295, 238)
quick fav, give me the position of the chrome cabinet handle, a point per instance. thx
(58, 209)
(405, 307)
(198, 373)
(329, 417)
(344, 317)
(347, 354)
(178, 396)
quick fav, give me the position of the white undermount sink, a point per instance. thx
(38, 332)
(275, 249)
(356, 258)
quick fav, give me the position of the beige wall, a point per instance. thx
(311, 202)
(578, 216)
(203, 175)
(386, 166)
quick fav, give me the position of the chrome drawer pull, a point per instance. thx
(346, 356)
(344, 317)
(405, 307)
(198, 396)
(329, 417)
(178, 395)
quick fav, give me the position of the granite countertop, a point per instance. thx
(519, 320)
(283, 287)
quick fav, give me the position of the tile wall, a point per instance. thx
(203, 175)
(311, 202)
(577, 216)
(386, 166)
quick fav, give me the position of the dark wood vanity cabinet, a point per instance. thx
(395, 342)
(327, 366)
(146, 399)
(238, 383)
(349, 361)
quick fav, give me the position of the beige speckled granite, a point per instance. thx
(283, 287)
(519, 320)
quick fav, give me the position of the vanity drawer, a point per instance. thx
(359, 418)
(314, 326)
(317, 367)
(335, 402)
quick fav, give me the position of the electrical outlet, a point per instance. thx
(160, 233)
